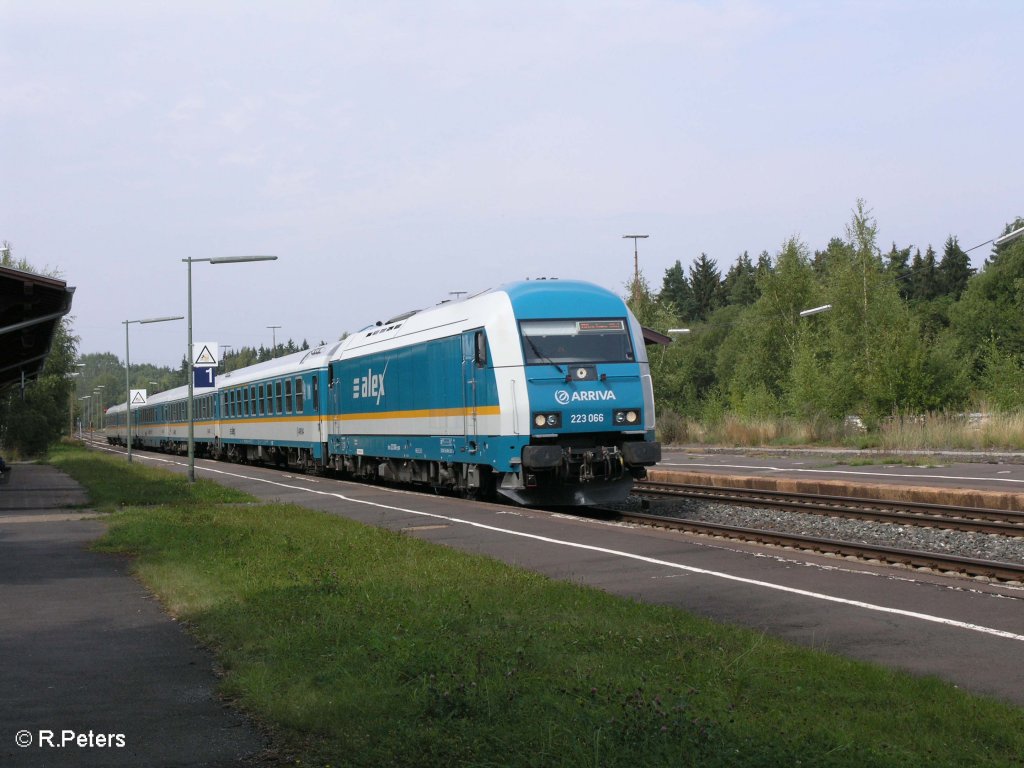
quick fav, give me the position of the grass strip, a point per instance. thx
(366, 647)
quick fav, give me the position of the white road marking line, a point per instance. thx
(640, 558)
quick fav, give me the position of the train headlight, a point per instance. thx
(626, 418)
(547, 420)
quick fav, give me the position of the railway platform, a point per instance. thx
(965, 479)
(93, 672)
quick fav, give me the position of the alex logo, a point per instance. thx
(564, 397)
(370, 385)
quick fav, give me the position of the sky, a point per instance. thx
(392, 153)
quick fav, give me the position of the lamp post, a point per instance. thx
(87, 397)
(191, 361)
(98, 403)
(273, 331)
(72, 391)
(636, 254)
(71, 405)
(127, 371)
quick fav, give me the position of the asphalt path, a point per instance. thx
(1002, 472)
(969, 633)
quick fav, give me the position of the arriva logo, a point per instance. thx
(370, 385)
(564, 397)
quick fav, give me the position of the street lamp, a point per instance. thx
(191, 361)
(127, 371)
(71, 405)
(87, 397)
(1009, 236)
(678, 330)
(636, 254)
(98, 403)
(71, 402)
(815, 310)
(1003, 240)
(273, 331)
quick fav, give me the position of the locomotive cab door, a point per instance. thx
(474, 359)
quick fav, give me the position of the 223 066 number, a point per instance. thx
(586, 418)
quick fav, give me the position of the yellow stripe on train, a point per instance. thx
(485, 410)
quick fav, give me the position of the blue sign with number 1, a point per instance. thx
(203, 378)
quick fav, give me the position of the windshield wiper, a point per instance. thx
(540, 356)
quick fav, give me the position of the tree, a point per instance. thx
(989, 310)
(836, 249)
(648, 311)
(740, 284)
(954, 270)
(758, 354)
(676, 291)
(873, 360)
(924, 279)
(706, 284)
(897, 264)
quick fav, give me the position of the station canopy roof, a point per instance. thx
(31, 306)
(651, 336)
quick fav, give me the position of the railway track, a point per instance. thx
(971, 519)
(904, 513)
(1006, 572)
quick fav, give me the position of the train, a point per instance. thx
(538, 392)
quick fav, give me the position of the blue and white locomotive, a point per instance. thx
(539, 392)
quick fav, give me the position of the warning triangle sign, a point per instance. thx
(207, 354)
(138, 397)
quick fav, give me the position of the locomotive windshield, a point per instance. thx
(576, 341)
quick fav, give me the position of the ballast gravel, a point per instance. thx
(980, 546)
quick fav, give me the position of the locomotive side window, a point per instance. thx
(480, 349)
(280, 400)
(576, 341)
(287, 395)
(299, 403)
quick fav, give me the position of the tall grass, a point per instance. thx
(937, 431)
(731, 430)
(978, 431)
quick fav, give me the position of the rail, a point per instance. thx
(1009, 572)
(956, 518)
